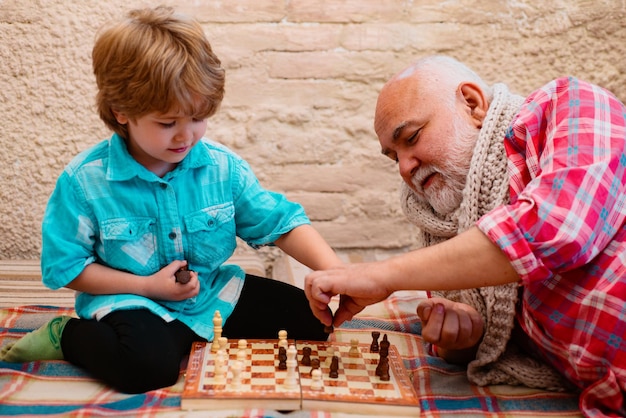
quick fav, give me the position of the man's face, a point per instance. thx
(430, 137)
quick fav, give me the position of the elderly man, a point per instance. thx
(521, 206)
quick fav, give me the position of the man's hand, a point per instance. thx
(162, 285)
(455, 328)
(358, 285)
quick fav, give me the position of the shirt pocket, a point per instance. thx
(211, 234)
(130, 244)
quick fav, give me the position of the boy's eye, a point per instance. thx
(167, 124)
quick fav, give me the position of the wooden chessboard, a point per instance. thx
(356, 390)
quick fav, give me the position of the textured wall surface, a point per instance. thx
(302, 82)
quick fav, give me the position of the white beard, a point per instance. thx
(445, 192)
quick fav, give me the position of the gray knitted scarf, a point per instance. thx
(487, 187)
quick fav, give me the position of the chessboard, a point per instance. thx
(260, 382)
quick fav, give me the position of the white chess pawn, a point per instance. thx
(316, 380)
(236, 368)
(282, 338)
(331, 352)
(220, 367)
(354, 348)
(242, 354)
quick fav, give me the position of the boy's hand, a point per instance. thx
(163, 284)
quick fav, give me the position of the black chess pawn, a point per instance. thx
(282, 358)
(315, 364)
(306, 356)
(334, 368)
(374, 345)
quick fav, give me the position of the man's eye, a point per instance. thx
(413, 138)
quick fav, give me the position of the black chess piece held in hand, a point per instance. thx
(183, 275)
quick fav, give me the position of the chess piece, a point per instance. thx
(316, 379)
(334, 368)
(374, 346)
(282, 338)
(242, 354)
(223, 343)
(306, 356)
(354, 348)
(330, 353)
(291, 380)
(220, 367)
(383, 360)
(315, 365)
(183, 275)
(217, 331)
(383, 367)
(282, 358)
(385, 342)
(236, 368)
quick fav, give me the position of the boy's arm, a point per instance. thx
(98, 279)
(307, 246)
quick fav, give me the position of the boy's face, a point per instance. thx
(159, 141)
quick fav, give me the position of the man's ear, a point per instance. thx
(474, 98)
(121, 118)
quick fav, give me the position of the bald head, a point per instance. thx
(433, 80)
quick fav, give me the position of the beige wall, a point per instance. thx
(302, 80)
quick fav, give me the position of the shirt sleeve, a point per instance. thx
(68, 234)
(263, 216)
(567, 175)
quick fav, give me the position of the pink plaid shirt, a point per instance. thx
(565, 234)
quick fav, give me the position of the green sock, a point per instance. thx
(42, 344)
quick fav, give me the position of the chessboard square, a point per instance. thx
(262, 374)
(383, 385)
(263, 358)
(354, 384)
(335, 383)
(353, 366)
(336, 390)
(357, 377)
(363, 392)
(267, 381)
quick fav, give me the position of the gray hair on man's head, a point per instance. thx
(440, 71)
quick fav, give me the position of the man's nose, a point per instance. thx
(408, 165)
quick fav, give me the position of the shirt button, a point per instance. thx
(163, 186)
(172, 235)
(211, 222)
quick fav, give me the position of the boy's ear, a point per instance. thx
(121, 118)
(474, 98)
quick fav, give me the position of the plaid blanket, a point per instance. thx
(57, 388)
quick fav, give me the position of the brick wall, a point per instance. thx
(302, 81)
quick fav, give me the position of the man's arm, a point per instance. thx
(469, 260)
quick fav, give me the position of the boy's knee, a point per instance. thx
(143, 375)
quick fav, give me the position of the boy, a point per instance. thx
(130, 212)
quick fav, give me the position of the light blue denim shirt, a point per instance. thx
(106, 208)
